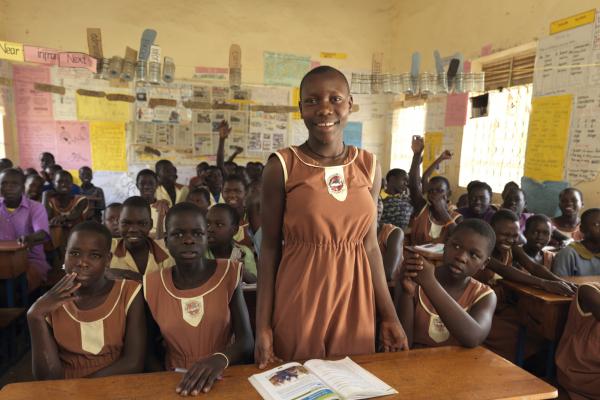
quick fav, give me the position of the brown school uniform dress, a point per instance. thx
(503, 335)
(429, 329)
(578, 353)
(59, 234)
(194, 323)
(384, 235)
(421, 231)
(324, 299)
(573, 233)
(90, 340)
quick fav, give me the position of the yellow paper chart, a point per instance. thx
(295, 101)
(99, 109)
(547, 139)
(108, 146)
(433, 148)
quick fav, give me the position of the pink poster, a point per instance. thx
(31, 105)
(456, 109)
(35, 137)
(40, 55)
(73, 144)
(77, 60)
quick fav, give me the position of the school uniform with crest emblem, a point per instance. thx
(194, 323)
(324, 297)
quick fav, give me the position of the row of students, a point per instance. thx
(90, 324)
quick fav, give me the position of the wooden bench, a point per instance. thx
(14, 337)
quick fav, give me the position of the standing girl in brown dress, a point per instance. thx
(321, 276)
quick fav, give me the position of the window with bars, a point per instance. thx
(407, 121)
(510, 71)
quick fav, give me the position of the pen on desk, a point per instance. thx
(181, 370)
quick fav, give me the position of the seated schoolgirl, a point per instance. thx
(222, 223)
(445, 305)
(538, 229)
(88, 325)
(136, 253)
(566, 225)
(433, 219)
(390, 239)
(578, 353)
(198, 305)
(582, 258)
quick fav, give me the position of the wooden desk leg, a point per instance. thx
(24, 290)
(521, 339)
(10, 292)
(550, 359)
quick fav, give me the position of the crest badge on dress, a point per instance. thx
(336, 182)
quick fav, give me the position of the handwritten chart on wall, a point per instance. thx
(108, 146)
(547, 138)
(567, 62)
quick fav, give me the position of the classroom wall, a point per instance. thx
(468, 25)
(197, 32)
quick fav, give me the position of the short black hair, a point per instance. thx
(213, 168)
(45, 153)
(182, 208)
(63, 172)
(201, 191)
(145, 172)
(202, 165)
(161, 164)
(13, 171)
(32, 177)
(137, 202)
(230, 163)
(112, 205)
(236, 178)
(534, 219)
(480, 227)
(323, 69)
(588, 214)
(6, 163)
(570, 189)
(55, 168)
(440, 178)
(395, 172)
(503, 215)
(233, 214)
(474, 185)
(93, 227)
(85, 167)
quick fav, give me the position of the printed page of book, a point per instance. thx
(291, 381)
(349, 379)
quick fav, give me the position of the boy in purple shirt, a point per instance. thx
(26, 221)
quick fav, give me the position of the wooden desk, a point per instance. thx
(542, 313)
(437, 373)
(13, 264)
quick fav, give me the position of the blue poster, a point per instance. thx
(353, 134)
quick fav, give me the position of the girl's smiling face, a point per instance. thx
(325, 104)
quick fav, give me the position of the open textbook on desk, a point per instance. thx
(319, 380)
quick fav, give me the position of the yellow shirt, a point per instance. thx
(158, 258)
(181, 193)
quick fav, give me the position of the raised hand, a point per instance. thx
(224, 130)
(417, 144)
